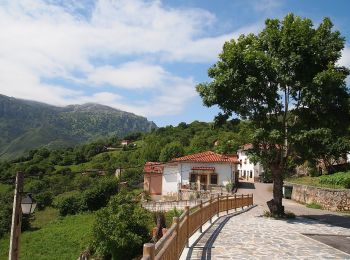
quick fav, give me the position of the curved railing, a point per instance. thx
(171, 245)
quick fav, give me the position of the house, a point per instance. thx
(201, 171)
(152, 179)
(247, 169)
(125, 142)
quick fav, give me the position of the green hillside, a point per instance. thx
(25, 125)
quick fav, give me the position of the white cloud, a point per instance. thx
(345, 58)
(131, 75)
(42, 41)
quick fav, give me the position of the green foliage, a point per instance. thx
(121, 228)
(169, 215)
(70, 205)
(339, 178)
(170, 151)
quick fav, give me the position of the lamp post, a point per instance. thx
(21, 206)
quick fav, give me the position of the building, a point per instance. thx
(201, 171)
(248, 170)
(125, 142)
(152, 179)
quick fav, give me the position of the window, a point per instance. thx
(193, 177)
(244, 174)
(213, 179)
(251, 174)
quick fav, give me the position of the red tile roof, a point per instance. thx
(153, 167)
(208, 156)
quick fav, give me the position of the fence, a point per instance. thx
(171, 245)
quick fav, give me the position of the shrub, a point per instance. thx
(121, 228)
(70, 205)
(170, 214)
(339, 178)
(44, 199)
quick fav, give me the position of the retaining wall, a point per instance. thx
(330, 199)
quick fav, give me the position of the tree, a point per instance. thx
(170, 151)
(287, 82)
(121, 228)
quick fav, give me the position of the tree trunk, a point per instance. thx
(160, 219)
(275, 205)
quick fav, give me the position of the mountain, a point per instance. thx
(26, 124)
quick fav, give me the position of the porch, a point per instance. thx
(204, 179)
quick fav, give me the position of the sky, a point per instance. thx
(140, 56)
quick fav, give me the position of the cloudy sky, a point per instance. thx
(145, 57)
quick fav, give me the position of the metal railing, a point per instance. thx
(171, 245)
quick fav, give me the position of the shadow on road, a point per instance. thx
(334, 220)
(246, 185)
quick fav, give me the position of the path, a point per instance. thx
(251, 236)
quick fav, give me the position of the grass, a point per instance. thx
(63, 238)
(44, 217)
(314, 205)
(313, 181)
(4, 187)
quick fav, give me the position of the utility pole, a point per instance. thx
(16, 218)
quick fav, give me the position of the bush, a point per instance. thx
(44, 199)
(121, 228)
(70, 205)
(339, 178)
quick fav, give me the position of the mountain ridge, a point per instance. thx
(27, 124)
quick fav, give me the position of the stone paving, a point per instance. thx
(251, 236)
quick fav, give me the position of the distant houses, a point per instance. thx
(248, 170)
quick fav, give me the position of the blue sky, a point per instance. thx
(141, 56)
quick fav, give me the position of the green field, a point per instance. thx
(59, 238)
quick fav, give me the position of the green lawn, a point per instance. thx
(63, 238)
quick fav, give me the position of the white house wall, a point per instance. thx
(174, 174)
(248, 166)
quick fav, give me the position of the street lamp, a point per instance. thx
(21, 206)
(28, 204)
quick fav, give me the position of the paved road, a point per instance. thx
(251, 236)
(263, 192)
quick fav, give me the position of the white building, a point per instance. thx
(200, 171)
(247, 169)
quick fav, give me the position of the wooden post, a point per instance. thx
(218, 205)
(235, 202)
(187, 209)
(201, 215)
(252, 198)
(226, 203)
(16, 218)
(149, 251)
(242, 202)
(211, 206)
(176, 221)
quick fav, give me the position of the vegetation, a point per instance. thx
(298, 114)
(63, 238)
(121, 228)
(26, 125)
(339, 180)
(314, 205)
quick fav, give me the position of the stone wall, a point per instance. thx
(330, 199)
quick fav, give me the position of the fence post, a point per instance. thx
(201, 215)
(187, 209)
(211, 208)
(235, 202)
(242, 202)
(176, 221)
(149, 251)
(218, 205)
(252, 198)
(226, 203)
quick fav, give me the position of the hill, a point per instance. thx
(25, 125)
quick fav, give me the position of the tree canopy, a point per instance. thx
(287, 82)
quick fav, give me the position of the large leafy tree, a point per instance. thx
(287, 82)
